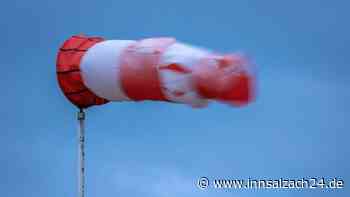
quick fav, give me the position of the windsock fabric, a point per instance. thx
(93, 71)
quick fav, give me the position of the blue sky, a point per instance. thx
(298, 126)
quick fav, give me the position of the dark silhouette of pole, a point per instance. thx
(81, 152)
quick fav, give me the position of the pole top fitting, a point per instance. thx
(81, 114)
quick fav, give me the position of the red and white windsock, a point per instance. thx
(93, 71)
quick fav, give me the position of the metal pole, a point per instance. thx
(81, 151)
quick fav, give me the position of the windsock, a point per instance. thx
(93, 71)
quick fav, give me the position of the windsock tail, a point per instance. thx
(227, 78)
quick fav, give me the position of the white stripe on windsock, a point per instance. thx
(186, 56)
(100, 69)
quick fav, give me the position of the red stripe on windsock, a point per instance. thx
(68, 71)
(139, 69)
(225, 78)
